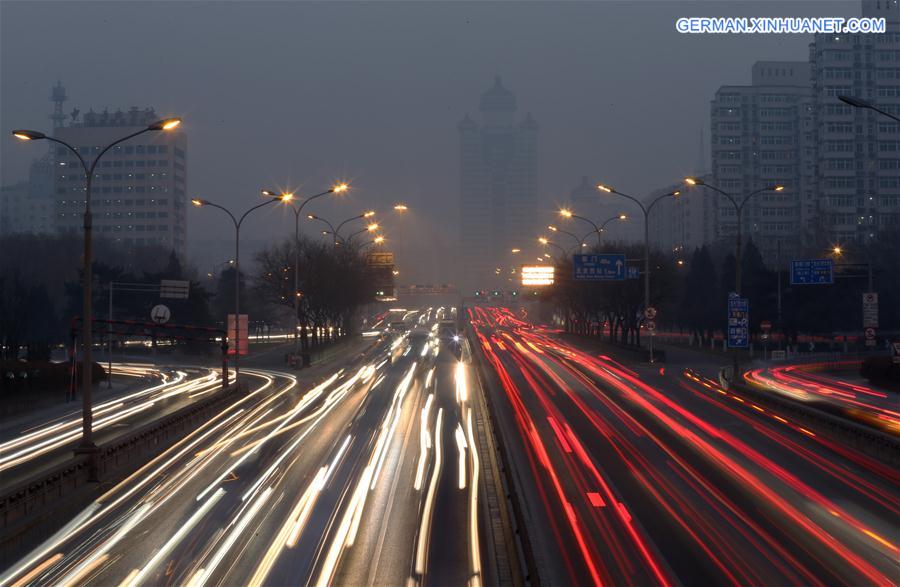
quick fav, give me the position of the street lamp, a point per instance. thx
(335, 189)
(739, 211)
(367, 214)
(237, 266)
(87, 440)
(646, 210)
(860, 103)
(375, 241)
(549, 243)
(552, 228)
(607, 221)
(569, 214)
(331, 230)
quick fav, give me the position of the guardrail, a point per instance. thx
(32, 508)
(511, 484)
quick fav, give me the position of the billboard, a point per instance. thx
(380, 259)
(537, 275)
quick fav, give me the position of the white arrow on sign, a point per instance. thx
(618, 267)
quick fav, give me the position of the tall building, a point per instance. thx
(858, 158)
(761, 135)
(28, 207)
(139, 190)
(498, 188)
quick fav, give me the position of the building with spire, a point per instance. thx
(498, 189)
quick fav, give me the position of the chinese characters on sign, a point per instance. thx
(738, 323)
(605, 267)
(812, 272)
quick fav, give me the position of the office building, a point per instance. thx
(498, 188)
(139, 190)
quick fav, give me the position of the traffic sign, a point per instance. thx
(650, 325)
(869, 333)
(174, 289)
(896, 358)
(738, 322)
(649, 312)
(238, 340)
(603, 267)
(633, 272)
(765, 325)
(870, 310)
(160, 314)
(812, 272)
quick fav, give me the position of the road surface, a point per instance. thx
(642, 476)
(370, 475)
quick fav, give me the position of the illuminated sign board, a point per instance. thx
(537, 275)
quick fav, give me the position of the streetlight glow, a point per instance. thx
(369, 214)
(401, 208)
(165, 124)
(516, 251)
(543, 240)
(198, 202)
(777, 188)
(28, 135)
(340, 188)
(692, 181)
(565, 213)
(372, 227)
(623, 217)
(551, 227)
(604, 188)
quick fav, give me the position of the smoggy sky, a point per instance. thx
(298, 94)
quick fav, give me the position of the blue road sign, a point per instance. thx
(738, 322)
(634, 272)
(812, 272)
(605, 267)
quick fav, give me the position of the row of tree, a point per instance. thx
(41, 289)
(691, 293)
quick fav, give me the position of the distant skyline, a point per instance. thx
(297, 95)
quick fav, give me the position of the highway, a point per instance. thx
(368, 475)
(822, 384)
(654, 476)
(32, 444)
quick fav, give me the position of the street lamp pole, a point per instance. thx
(646, 210)
(578, 240)
(87, 440)
(569, 214)
(331, 230)
(368, 214)
(237, 268)
(739, 212)
(607, 221)
(546, 242)
(297, 211)
(860, 103)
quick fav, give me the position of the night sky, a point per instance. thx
(299, 94)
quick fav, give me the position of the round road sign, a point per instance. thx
(160, 314)
(870, 333)
(650, 313)
(650, 325)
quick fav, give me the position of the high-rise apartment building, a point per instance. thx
(139, 188)
(858, 157)
(498, 188)
(761, 136)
